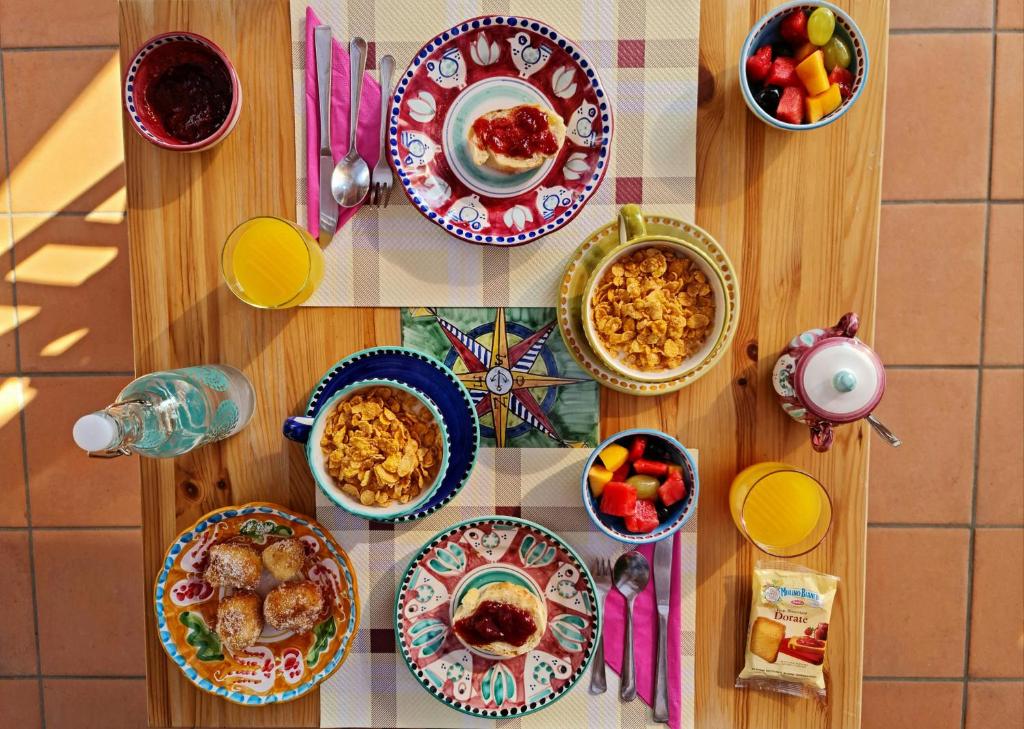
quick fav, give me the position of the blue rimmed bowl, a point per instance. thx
(678, 514)
(318, 461)
(766, 31)
(430, 377)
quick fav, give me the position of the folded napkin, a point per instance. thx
(645, 634)
(367, 135)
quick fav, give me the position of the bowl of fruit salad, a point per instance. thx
(803, 65)
(640, 486)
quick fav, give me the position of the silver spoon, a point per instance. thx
(631, 573)
(886, 434)
(350, 180)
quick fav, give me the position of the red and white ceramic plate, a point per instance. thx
(470, 555)
(487, 63)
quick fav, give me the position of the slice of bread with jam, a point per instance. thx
(516, 140)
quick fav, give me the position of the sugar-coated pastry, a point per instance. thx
(234, 564)
(284, 559)
(239, 620)
(294, 606)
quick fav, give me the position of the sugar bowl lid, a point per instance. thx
(841, 379)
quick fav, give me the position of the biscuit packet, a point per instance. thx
(790, 610)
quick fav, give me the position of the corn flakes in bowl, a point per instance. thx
(655, 308)
(378, 449)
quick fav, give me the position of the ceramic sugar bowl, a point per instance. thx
(827, 377)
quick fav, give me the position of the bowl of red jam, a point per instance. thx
(181, 92)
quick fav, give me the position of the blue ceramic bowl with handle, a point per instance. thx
(318, 461)
(424, 374)
(677, 514)
(766, 32)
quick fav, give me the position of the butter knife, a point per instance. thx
(662, 589)
(328, 206)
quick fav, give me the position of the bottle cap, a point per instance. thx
(96, 432)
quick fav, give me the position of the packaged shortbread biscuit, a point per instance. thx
(789, 615)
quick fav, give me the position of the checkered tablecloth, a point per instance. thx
(646, 52)
(373, 688)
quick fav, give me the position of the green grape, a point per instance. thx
(646, 486)
(836, 54)
(820, 26)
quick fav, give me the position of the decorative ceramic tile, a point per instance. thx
(527, 390)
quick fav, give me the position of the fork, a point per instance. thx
(382, 180)
(603, 582)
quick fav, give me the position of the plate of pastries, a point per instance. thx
(256, 603)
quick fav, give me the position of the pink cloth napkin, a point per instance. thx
(367, 136)
(645, 634)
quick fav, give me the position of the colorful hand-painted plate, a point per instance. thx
(283, 665)
(475, 553)
(586, 259)
(430, 377)
(487, 63)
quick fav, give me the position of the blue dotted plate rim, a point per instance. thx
(589, 69)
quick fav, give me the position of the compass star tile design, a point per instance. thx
(528, 391)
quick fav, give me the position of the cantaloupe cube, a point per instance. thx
(812, 72)
(823, 104)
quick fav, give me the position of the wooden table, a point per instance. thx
(798, 213)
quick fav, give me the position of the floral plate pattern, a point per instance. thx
(483, 64)
(283, 665)
(472, 554)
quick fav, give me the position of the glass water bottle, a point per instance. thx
(166, 414)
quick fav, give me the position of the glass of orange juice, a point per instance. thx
(271, 263)
(781, 509)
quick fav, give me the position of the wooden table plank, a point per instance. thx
(798, 213)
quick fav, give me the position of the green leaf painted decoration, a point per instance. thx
(322, 635)
(569, 630)
(535, 552)
(258, 531)
(428, 635)
(200, 637)
(498, 686)
(448, 560)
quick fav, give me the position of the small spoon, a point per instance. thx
(887, 435)
(631, 574)
(350, 180)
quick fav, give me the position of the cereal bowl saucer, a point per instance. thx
(329, 485)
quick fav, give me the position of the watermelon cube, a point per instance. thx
(644, 518)
(791, 106)
(793, 28)
(782, 73)
(759, 64)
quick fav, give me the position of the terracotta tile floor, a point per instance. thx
(946, 535)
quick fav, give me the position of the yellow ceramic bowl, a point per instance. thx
(638, 238)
